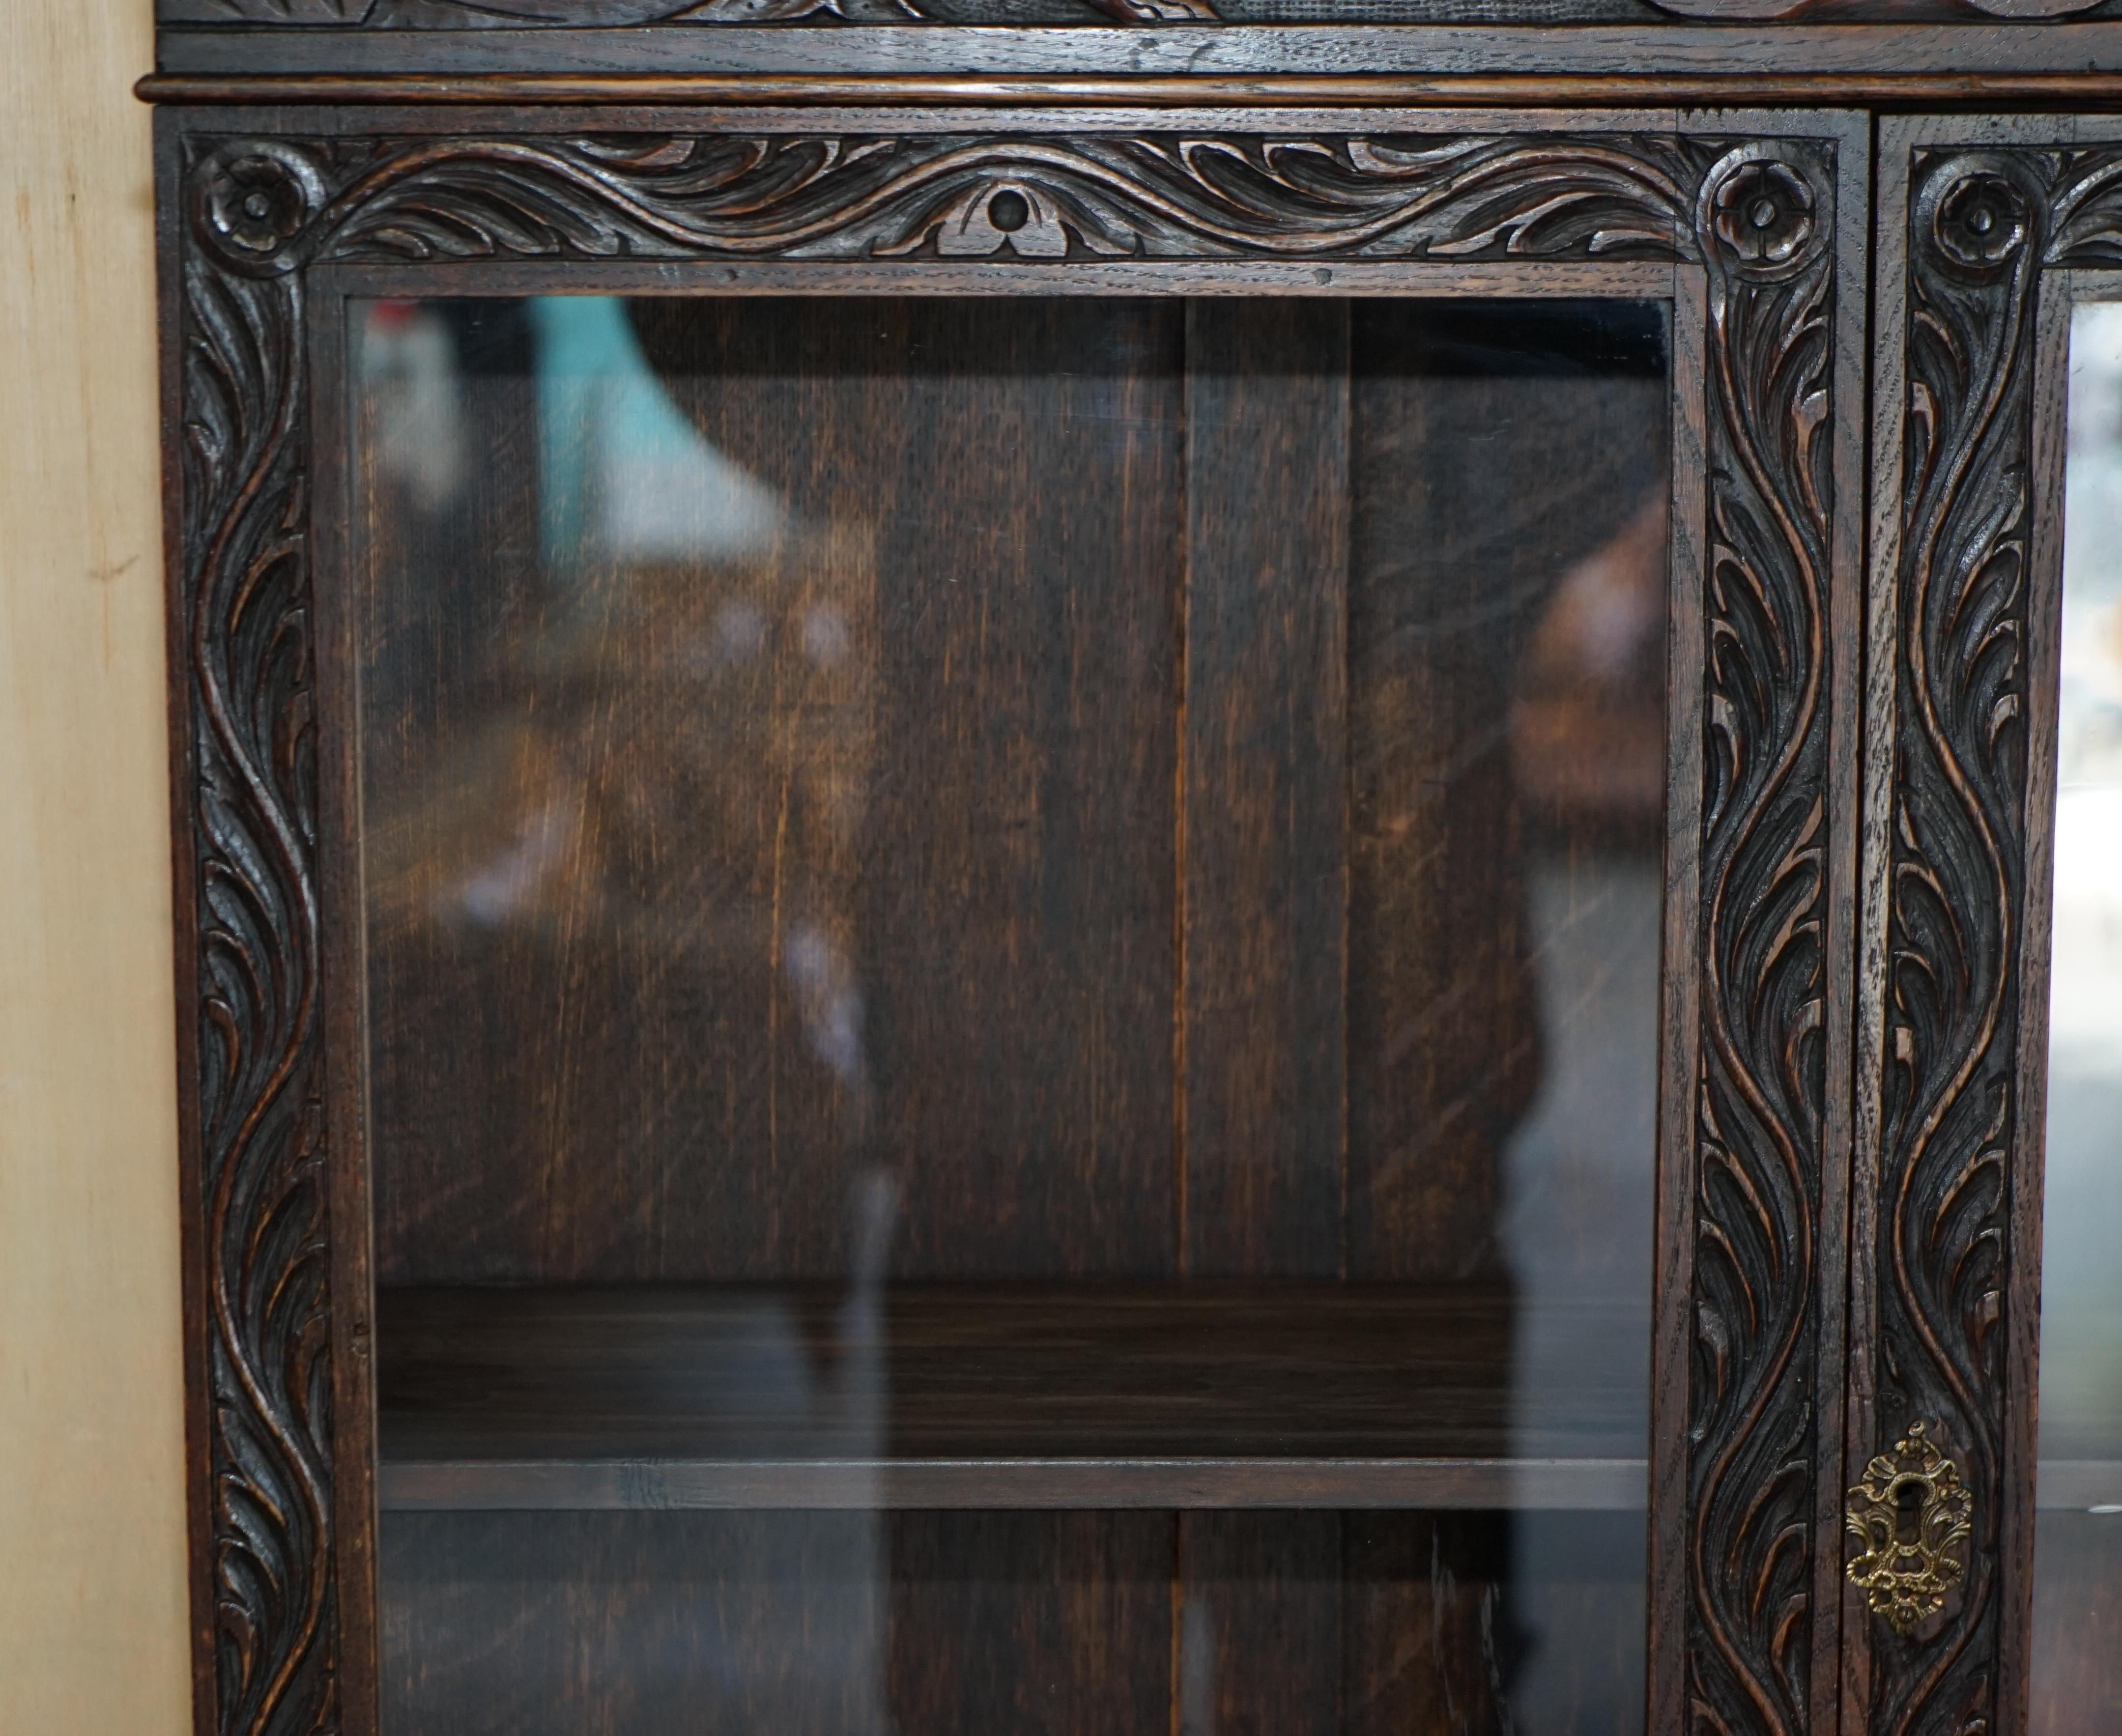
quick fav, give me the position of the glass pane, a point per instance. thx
(2077, 1549)
(1013, 996)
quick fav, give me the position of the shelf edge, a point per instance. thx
(431, 1485)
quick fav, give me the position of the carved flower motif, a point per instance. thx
(1982, 220)
(259, 198)
(1762, 211)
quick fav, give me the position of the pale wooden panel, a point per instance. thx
(92, 1623)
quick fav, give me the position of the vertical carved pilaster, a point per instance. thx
(1983, 226)
(1764, 218)
(251, 682)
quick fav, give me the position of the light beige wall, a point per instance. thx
(92, 1612)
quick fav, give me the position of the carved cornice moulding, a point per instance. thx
(609, 14)
(1756, 216)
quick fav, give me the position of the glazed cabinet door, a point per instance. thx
(1017, 922)
(1985, 1414)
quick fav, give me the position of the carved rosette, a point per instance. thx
(1757, 217)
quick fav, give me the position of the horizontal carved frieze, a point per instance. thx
(614, 14)
(267, 206)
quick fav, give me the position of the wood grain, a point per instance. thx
(1809, 63)
(1589, 93)
(1767, 871)
(1258, 1601)
(1003, 897)
(974, 1372)
(256, 214)
(1265, 809)
(1989, 227)
(1047, 1623)
(1938, 1255)
(1429, 1642)
(1220, 1484)
(827, 1625)
(979, 1620)
(1494, 448)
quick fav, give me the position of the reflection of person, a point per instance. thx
(1506, 635)
(639, 801)
(1588, 757)
(1507, 763)
(687, 773)
(1587, 720)
(648, 846)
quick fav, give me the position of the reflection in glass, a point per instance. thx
(774, 747)
(2078, 1553)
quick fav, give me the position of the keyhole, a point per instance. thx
(1009, 211)
(1908, 1509)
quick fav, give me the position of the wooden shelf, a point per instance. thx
(974, 1396)
(1579, 1485)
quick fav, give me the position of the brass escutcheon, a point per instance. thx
(1912, 1513)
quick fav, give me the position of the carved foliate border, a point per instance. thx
(592, 14)
(611, 14)
(1984, 224)
(1756, 216)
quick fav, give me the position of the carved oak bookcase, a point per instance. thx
(1090, 865)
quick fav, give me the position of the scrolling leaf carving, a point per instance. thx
(1760, 1096)
(609, 14)
(1955, 883)
(1093, 197)
(262, 1182)
(1756, 217)
(1984, 224)
(591, 14)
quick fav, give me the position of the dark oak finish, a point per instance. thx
(1260, 1613)
(835, 1623)
(259, 218)
(1088, 1648)
(1734, 51)
(1219, 1483)
(1266, 894)
(458, 15)
(1215, 953)
(1946, 1320)
(842, 1622)
(1482, 454)
(1000, 718)
(1988, 223)
(1768, 835)
(1932, 88)
(974, 1395)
